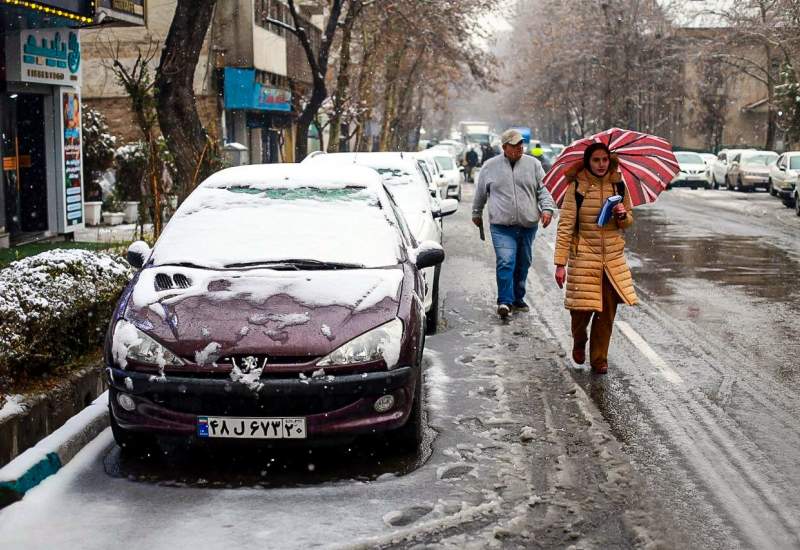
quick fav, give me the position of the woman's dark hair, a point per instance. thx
(587, 155)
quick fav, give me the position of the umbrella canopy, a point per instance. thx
(646, 163)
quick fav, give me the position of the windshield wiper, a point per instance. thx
(297, 264)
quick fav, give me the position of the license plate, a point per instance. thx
(251, 428)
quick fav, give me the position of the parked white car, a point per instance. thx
(709, 159)
(749, 170)
(694, 171)
(406, 182)
(449, 179)
(719, 172)
(783, 176)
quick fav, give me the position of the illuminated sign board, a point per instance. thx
(45, 56)
(78, 10)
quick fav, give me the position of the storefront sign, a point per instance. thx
(130, 11)
(46, 56)
(77, 10)
(243, 92)
(73, 188)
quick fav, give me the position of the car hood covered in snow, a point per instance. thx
(205, 313)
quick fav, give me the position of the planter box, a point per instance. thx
(93, 211)
(131, 211)
(113, 218)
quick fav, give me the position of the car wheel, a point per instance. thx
(771, 189)
(432, 317)
(797, 205)
(411, 435)
(713, 182)
(458, 196)
(131, 443)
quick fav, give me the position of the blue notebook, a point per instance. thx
(605, 213)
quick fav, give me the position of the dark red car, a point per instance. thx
(280, 302)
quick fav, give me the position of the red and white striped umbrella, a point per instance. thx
(646, 163)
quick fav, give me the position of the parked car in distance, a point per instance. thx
(719, 171)
(449, 174)
(694, 171)
(423, 214)
(281, 302)
(750, 170)
(783, 176)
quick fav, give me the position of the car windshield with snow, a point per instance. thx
(280, 302)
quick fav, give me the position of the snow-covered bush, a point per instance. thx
(54, 307)
(98, 150)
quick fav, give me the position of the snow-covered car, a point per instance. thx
(750, 170)
(423, 213)
(694, 171)
(281, 302)
(783, 176)
(449, 172)
(721, 167)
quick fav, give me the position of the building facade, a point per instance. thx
(245, 80)
(41, 193)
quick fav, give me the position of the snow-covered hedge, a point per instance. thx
(55, 306)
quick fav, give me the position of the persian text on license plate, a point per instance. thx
(251, 428)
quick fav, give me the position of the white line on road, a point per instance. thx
(666, 371)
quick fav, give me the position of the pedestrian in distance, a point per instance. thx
(486, 153)
(511, 185)
(591, 259)
(472, 161)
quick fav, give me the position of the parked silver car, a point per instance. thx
(750, 170)
(720, 168)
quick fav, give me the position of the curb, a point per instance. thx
(53, 452)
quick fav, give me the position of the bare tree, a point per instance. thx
(195, 152)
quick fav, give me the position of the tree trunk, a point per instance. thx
(180, 123)
(343, 78)
(390, 96)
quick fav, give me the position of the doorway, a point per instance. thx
(24, 164)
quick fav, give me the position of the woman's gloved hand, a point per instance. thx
(561, 275)
(620, 212)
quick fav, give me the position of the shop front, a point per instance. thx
(41, 193)
(257, 115)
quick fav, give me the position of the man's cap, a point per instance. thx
(510, 137)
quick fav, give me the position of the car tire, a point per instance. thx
(411, 435)
(797, 205)
(432, 317)
(771, 189)
(458, 196)
(130, 442)
(713, 184)
(738, 186)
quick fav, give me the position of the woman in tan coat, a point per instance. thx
(598, 277)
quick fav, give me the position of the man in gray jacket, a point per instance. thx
(512, 185)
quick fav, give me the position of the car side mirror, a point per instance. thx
(446, 207)
(441, 174)
(429, 254)
(138, 253)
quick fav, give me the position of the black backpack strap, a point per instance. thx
(621, 189)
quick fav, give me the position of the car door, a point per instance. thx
(778, 172)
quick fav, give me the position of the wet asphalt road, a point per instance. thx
(704, 384)
(701, 397)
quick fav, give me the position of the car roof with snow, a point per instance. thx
(269, 213)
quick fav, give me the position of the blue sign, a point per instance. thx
(243, 92)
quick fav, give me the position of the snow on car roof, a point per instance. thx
(256, 214)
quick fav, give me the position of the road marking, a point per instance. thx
(666, 371)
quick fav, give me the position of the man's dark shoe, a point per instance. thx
(579, 356)
(521, 307)
(503, 311)
(600, 368)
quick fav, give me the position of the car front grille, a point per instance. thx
(237, 405)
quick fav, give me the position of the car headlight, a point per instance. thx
(131, 344)
(382, 342)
